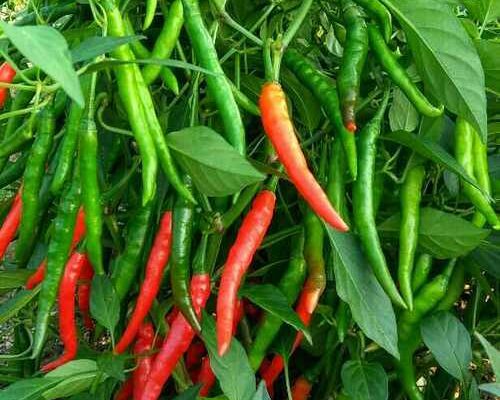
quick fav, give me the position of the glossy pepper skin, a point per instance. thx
(249, 237)
(364, 216)
(67, 323)
(7, 74)
(143, 349)
(157, 262)
(177, 341)
(324, 90)
(279, 129)
(10, 224)
(353, 61)
(399, 76)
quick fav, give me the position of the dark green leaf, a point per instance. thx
(449, 342)
(487, 255)
(271, 299)
(233, 371)
(357, 286)
(45, 47)
(442, 235)
(488, 51)
(216, 167)
(191, 393)
(104, 304)
(12, 306)
(402, 115)
(98, 45)
(492, 388)
(112, 365)
(493, 353)
(28, 389)
(364, 381)
(13, 278)
(436, 36)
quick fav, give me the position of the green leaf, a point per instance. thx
(12, 306)
(402, 115)
(436, 37)
(356, 285)
(487, 255)
(432, 151)
(493, 353)
(233, 371)
(442, 235)
(104, 304)
(191, 393)
(488, 51)
(45, 47)
(13, 278)
(28, 389)
(216, 167)
(112, 365)
(483, 10)
(261, 393)
(81, 366)
(492, 388)
(365, 381)
(449, 342)
(97, 45)
(271, 299)
(71, 385)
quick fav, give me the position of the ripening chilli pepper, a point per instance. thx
(10, 224)
(249, 237)
(143, 349)
(280, 131)
(362, 198)
(301, 388)
(177, 341)
(157, 262)
(7, 74)
(67, 323)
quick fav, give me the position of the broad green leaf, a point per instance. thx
(71, 385)
(432, 151)
(104, 304)
(487, 255)
(13, 278)
(449, 342)
(402, 115)
(191, 393)
(436, 37)
(483, 10)
(442, 235)
(75, 367)
(28, 389)
(233, 371)
(356, 285)
(112, 365)
(488, 51)
(216, 167)
(365, 381)
(98, 45)
(493, 353)
(261, 393)
(492, 388)
(46, 48)
(271, 299)
(12, 306)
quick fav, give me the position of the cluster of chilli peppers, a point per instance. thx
(81, 193)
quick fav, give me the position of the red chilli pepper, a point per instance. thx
(7, 74)
(84, 295)
(157, 262)
(37, 277)
(301, 389)
(10, 224)
(194, 354)
(280, 131)
(67, 325)
(248, 240)
(178, 340)
(143, 344)
(126, 391)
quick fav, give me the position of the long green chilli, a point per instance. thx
(218, 86)
(423, 267)
(324, 90)
(12, 144)
(380, 13)
(362, 197)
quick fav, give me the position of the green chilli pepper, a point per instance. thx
(12, 144)
(13, 170)
(421, 272)
(380, 13)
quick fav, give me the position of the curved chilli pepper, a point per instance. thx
(7, 74)
(464, 142)
(91, 195)
(183, 219)
(411, 194)
(20, 101)
(10, 224)
(455, 288)
(249, 237)
(301, 389)
(12, 144)
(481, 173)
(421, 271)
(33, 176)
(380, 13)
(165, 41)
(150, 13)
(143, 344)
(127, 264)
(280, 131)
(324, 90)
(58, 252)
(290, 285)
(178, 340)
(78, 234)
(218, 86)
(67, 324)
(157, 262)
(13, 170)
(126, 390)
(83, 293)
(353, 61)
(362, 197)
(399, 76)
